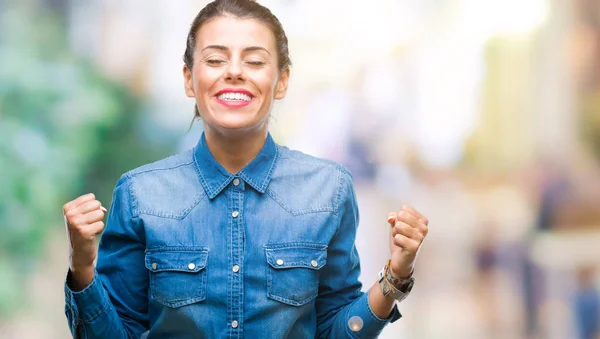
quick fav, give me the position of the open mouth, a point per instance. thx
(234, 97)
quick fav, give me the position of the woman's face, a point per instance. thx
(235, 76)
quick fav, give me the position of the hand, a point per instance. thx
(83, 221)
(409, 229)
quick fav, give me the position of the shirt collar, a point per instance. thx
(215, 178)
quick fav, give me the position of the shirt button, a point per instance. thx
(234, 324)
(154, 266)
(236, 182)
(279, 262)
(355, 323)
(314, 263)
(235, 214)
(191, 266)
(235, 268)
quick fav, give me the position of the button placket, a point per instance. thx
(236, 250)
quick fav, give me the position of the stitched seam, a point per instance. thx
(291, 301)
(134, 205)
(339, 190)
(135, 173)
(325, 163)
(201, 176)
(249, 180)
(271, 169)
(104, 309)
(311, 160)
(230, 289)
(180, 216)
(288, 245)
(242, 247)
(313, 210)
(295, 264)
(179, 302)
(224, 184)
(132, 196)
(193, 249)
(279, 202)
(338, 224)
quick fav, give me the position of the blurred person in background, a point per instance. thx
(239, 236)
(552, 193)
(586, 305)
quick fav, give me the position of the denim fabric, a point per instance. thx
(192, 251)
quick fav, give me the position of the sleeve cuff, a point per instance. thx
(89, 303)
(372, 325)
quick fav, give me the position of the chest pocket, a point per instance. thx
(177, 277)
(293, 271)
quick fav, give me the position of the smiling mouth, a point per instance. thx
(234, 99)
(230, 96)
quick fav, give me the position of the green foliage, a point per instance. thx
(65, 129)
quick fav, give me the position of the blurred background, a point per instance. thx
(483, 114)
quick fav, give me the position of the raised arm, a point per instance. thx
(109, 301)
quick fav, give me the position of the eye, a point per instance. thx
(256, 63)
(214, 62)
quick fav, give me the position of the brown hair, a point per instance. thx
(242, 9)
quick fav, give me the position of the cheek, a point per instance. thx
(267, 81)
(205, 78)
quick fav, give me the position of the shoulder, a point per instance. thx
(168, 187)
(168, 164)
(305, 183)
(169, 170)
(305, 163)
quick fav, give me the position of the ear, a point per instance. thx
(282, 84)
(188, 82)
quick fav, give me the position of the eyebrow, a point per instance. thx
(247, 49)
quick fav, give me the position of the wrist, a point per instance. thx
(79, 278)
(79, 269)
(398, 289)
(402, 274)
(81, 260)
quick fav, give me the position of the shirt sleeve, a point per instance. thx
(340, 296)
(115, 304)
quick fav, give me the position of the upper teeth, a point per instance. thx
(234, 96)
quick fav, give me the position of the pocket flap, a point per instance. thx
(174, 260)
(280, 256)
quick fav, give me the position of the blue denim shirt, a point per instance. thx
(192, 251)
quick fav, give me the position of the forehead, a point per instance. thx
(235, 33)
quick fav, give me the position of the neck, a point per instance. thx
(234, 152)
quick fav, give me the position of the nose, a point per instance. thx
(234, 71)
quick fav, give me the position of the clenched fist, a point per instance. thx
(409, 229)
(83, 221)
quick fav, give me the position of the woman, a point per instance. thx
(239, 236)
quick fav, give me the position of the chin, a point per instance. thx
(235, 121)
(237, 124)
